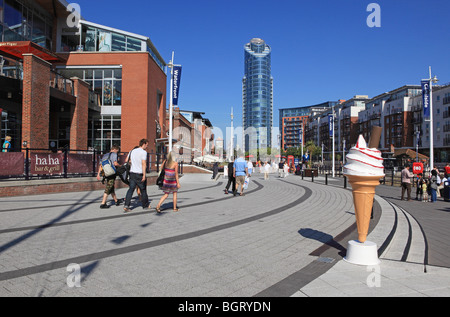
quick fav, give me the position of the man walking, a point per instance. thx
(281, 169)
(406, 181)
(138, 160)
(231, 179)
(240, 170)
(110, 180)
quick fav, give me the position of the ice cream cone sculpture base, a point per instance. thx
(362, 253)
(363, 194)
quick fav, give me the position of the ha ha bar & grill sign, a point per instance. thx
(41, 163)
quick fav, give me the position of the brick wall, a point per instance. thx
(35, 101)
(142, 80)
(80, 111)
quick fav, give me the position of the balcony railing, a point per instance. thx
(61, 83)
(11, 68)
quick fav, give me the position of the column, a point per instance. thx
(35, 101)
(79, 113)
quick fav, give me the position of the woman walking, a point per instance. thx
(171, 183)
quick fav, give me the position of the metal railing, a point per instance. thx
(35, 163)
(61, 83)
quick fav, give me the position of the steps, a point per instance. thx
(408, 243)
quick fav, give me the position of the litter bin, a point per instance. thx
(447, 190)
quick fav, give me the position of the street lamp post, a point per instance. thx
(417, 144)
(170, 65)
(431, 81)
(334, 163)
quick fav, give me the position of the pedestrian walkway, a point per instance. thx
(285, 237)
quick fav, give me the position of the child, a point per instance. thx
(419, 191)
(424, 191)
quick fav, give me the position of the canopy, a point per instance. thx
(17, 49)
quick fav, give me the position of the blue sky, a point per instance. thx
(321, 50)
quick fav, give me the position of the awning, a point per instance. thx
(410, 153)
(17, 49)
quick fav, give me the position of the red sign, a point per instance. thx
(417, 168)
(46, 163)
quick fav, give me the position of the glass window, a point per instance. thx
(117, 93)
(13, 14)
(11, 36)
(104, 41)
(107, 93)
(88, 74)
(89, 39)
(118, 42)
(117, 124)
(98, 74)
(117, 73)
(98, 87)
(39, 32)
(133, 44)
(1, 13)
(108, 73)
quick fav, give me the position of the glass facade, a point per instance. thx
(23, 22)
(96, 39)
(257, 95)
(104, 130)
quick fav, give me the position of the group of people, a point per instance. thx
(427, 187)
(240, 170)
(137, 159)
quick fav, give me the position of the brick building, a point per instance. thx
(83, 86)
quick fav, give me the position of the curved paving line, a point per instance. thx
(147, 245)
(310, 272)
(99, 200)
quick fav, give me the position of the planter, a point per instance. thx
(309, 172)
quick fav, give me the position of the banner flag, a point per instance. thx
(176, 84)
(330, 125)
(426, 98)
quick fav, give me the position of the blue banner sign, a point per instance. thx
(426, 98)
(176, 84)
(330, 125)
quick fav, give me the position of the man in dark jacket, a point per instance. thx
(231, 179)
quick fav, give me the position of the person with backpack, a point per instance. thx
(109, 162)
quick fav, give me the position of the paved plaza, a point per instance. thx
(286, 237)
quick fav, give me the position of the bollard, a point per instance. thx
(326, 179)
(312, 176)
(345, 181)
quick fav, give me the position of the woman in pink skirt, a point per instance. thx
(171, 183)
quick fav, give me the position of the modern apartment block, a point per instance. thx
(78, 86)
(257, 96)
(391, 110)
(441, 123)
(293, 123)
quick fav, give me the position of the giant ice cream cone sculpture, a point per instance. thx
(364, 169)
